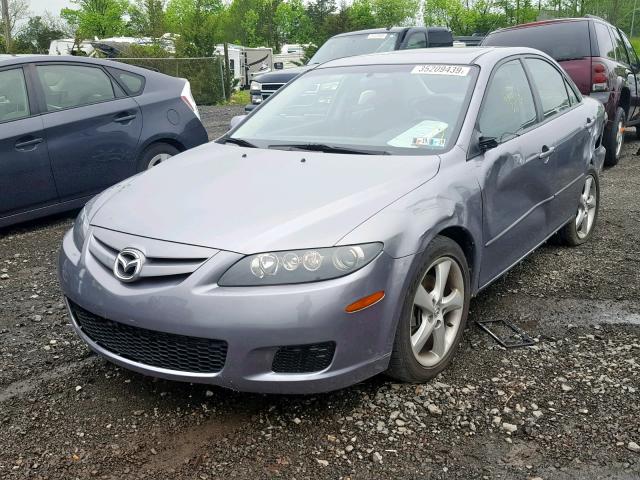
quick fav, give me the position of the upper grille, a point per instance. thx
(156, 349)
(303, 358)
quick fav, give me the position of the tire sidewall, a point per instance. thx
(611, 157)
(439, 247)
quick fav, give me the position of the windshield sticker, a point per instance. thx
(455, 70)
(428, 133)
(377, 36)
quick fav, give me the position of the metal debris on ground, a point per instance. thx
(506, 333)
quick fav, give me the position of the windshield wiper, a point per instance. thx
(321, 147)
(237, 141)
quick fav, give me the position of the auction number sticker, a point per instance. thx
(455, 70)
(378, 36)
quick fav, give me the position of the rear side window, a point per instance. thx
(508, 105)
(132, 82)
(605, 43)
(417, 40)
(621, 52)
(71, 86)
(550, 85)
(573, 97)
(562, 40)
(14, 103)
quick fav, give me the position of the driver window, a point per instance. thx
(508, 106)
(71, 86)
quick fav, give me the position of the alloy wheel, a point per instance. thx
(619, 137)
(587, 208)
(157, 159)
(437, 311)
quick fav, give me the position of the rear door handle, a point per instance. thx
(124, 118)
(589, 123)
(25, 144)
(546, 153)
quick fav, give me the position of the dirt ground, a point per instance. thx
(564, 408)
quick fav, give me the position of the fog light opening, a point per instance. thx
(365, 302)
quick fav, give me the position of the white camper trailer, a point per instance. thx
(246, 62)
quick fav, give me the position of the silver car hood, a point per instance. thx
(254, 200)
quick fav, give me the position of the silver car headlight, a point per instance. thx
(81, 225)
(299, 266)
(255, 86)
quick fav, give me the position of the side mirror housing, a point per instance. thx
(235, 121)
(487, 143)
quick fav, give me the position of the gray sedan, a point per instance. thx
(340, 230)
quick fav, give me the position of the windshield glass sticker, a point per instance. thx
(377, 36)
(428, 133)
(455, 70)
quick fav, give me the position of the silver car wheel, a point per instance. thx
(619, 138)
(587, 208)
(157, 159)
(437, 311)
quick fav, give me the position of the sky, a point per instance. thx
(38, 7)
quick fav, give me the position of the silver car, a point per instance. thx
(340, 230)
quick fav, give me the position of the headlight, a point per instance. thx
(255, 86)
(81, 225)
(299, 266)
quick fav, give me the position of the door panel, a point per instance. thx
(514, 176)
(26, 181)
(92, 136)
(633, 79)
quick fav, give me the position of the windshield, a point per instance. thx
(390, 109)
(351, 45)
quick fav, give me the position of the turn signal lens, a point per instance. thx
(365, 302)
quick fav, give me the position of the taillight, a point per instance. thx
(599, 77)
(187, 98)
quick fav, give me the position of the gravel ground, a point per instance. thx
(564, 408)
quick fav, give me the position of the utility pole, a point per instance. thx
(633, 16)
(7, 25)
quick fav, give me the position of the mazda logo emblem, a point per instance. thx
(128, 265)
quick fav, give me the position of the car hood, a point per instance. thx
(252, 200)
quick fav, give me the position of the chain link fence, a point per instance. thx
(205, 74)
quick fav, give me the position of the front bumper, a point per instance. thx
(254, 321)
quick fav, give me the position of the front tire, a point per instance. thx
(580, 229)
(434, 314)
(155, 154)
(614, 138)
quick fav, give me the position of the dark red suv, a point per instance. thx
(600, 60)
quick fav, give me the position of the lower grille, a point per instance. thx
(303, 358)
(156, 349)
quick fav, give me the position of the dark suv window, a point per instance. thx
(605, 43)
(417, 40)
(561, 40)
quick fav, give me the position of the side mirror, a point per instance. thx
(487, 143)
(235, 121)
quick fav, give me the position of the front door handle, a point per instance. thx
(546, 153)
(28, 145)
(124, 118)
(589, 123)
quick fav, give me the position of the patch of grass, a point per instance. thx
(239, 97)
(635, 41)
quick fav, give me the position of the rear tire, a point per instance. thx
(614, 138)
(434, 314)
(155, 154)
(580, 229)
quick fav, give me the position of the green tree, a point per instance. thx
(147, 18)
(38, 33)
(198, 23)
(97, 18)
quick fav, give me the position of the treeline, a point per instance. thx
(201, 24)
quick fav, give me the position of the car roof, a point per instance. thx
(388, 30)
(549, 22)
(447, 55)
